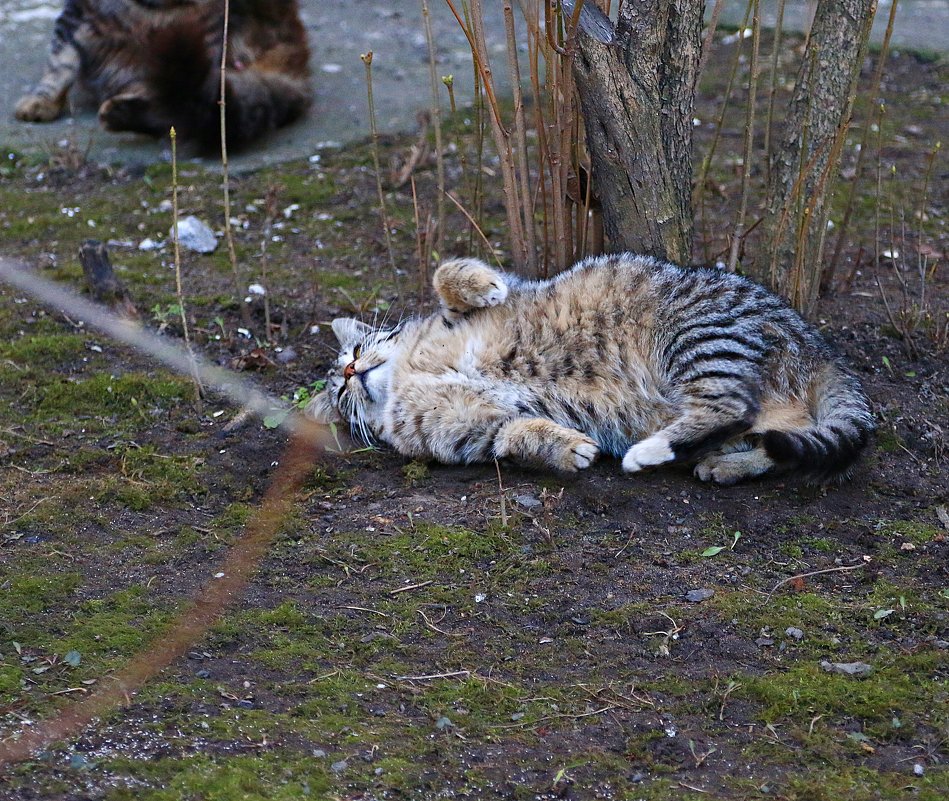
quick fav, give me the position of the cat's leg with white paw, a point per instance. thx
(707, 419)
(467, 284)
(652, 451)
(535, 440)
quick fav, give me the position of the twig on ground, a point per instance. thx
(841, 569)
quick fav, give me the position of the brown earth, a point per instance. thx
(427, 632)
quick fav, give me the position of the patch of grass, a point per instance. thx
(270, 776)
(909, 530)
(55, 404)
(905, 688)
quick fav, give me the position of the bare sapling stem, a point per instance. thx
(420, 251)
(698, 198)
(270, 213)
(437, 120)
(383, 211)
(228, 232)
(502, 142)
(179, 288)
(829, 271)
(739, 233)
(772, 91)
(709, 36)
(520, 142)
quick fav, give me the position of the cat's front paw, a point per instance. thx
(38, 108)
(650, 452)
(465, 284)
(584, 454)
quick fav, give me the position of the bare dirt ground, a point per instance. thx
(416, 631)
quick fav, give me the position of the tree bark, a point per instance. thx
(637, 85)
(805, 163)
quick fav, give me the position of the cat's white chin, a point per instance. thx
(650, 452)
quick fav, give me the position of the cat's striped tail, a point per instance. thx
(843, 424)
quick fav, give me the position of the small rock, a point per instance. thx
(286, 355)
(339, 767)
(527, 501)
(203, 674)
(517, 716)
(319, 753)
(443, 723)
(856, 669)
(195, 235)
(794, 632)
(149, 244)
(697, 596)
(918, 769)
(764, 642)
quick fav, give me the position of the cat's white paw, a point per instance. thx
(648, 453)
(584, 454)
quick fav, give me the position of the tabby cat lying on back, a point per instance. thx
(151, 64)
(622, 355)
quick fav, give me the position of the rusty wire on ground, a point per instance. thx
(308, 441)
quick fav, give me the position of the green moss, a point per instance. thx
(264, 777)
(43, 350)
(11, 678)
(415, 472)
(30, 591)
(901, 689)
(910, 530)
(55, 403)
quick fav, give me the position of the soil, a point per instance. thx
(418, 631)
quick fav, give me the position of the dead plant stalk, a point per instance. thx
(179, 288)
(383, 211)
(225, 177)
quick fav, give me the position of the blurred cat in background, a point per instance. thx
(154, 64)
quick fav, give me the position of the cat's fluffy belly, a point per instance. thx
(641, 360)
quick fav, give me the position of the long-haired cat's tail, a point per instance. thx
(827, 450)
(185, 83)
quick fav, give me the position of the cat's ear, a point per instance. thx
(348, 330)
(322, 409)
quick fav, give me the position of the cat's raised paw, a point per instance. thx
(584, 454)
(648, 453)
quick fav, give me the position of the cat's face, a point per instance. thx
(359, 382)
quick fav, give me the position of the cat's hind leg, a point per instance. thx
(536, 440)
(463, 285)
(713, 411)
(133, 111)
(731, 466)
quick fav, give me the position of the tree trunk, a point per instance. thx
(804, 167)
(636, 85)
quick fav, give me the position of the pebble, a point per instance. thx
(527, 501)
(697, 596)
(319, 753)
(443, 723)
(339, 767)
(855, 669)
(796, 633)
(918, 769)
(195, 235)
